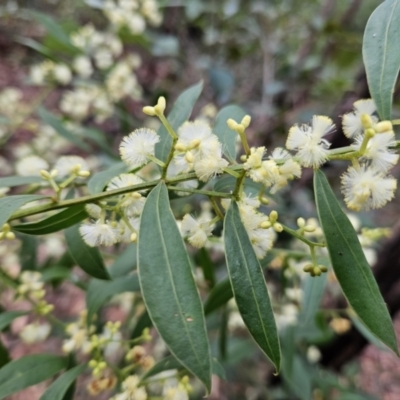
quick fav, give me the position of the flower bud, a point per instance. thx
(149, 111)
(301, 222)
(383, 126)
(273, 216)
(246, 121)
(366, 121)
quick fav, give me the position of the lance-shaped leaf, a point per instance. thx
(55, 223)
(28, 371)
(227, 136)
(350, 265)
(60, 386)
(88, 258)
(10, 204)
(168, 286)
(249, 287)
(179, 114)
(381, 54)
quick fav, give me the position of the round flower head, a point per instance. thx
(68, 165)
(31, 165)
(366, 188)
(135, 148)
(206, 168)
(312, 149)
(198, 138)
(196, 230)
(124, 180)
(378, 151)
(352, 125)
(98, 233)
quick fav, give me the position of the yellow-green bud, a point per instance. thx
(92, 364)
(366, 121)
(264, 200)
(308, 268)
(273, 216)
(240, 128)
(246, 121)
(232, 124)
(301, 222)
(45, 174)
(383, 126)
(161, 104)
(323, 268)
(134, 237)
(84, 174)
(243, 157)
(149, 111)
(194, 143)
(369, 133)
(189, 157)
(278, 227)
(265, 225)
(317, 271)
(10, 235)
(180, 147)
(310, 228)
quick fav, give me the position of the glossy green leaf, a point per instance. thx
(350, 265)
(88, 258)
(99, 291)
(168, 287)
(220, 294)
(227, 136)
(249, 287)
(180, 112)
(60, 386)
(98, 182)
(381, 54)
(28, 371)
(60, 128)
(12, 181)
(35, 45)
(7, 317)
(10, 204)
(55, 223)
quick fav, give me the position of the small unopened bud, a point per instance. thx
(308, 268)
(323, 268)
(84, 174)
(136, 195)
(146, 335)
(383, 126)
(301, 222)
(316, 270)
(10, 235)
(264, 200)
(189, 157)
(273, 216)
(161, 103)
(194, 143)
(370, 133)
(265, 225)
(54, 173)
(180, 147)
(149, 111)
(243, 157)
(240, 128)
(134, 237)
(232, 124)
(45, 174)
(76, 168)
(310, 228)
(278, 227)
(366, 121)
(92, 364)
(246, 121)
